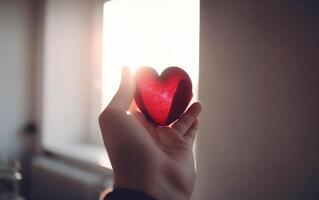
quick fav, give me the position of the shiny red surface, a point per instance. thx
(163, 98)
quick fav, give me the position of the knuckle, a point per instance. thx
(181, 127)
(193, 130)
(187, 119)
(107, 114)
(101, 117)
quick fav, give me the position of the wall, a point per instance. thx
(16, 70)
(258, 83)
(66, 71)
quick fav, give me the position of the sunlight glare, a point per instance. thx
(152, 33)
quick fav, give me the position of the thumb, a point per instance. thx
(125, 94)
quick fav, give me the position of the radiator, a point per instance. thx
(53, 179)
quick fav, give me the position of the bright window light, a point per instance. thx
(156, 33)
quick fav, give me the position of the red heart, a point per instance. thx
(162, 98)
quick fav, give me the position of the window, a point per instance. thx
(152, 33)
(156, 33)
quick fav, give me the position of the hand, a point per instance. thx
(155, 160)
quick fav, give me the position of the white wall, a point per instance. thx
(16, 65)
(259, 86)
(67, 71)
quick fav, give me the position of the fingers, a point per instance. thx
(185, 122)
(125, 94)
(191, 133)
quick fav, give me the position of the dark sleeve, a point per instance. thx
(127, 194)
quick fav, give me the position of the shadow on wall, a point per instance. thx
(258, 81)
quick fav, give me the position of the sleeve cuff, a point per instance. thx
(127, 194)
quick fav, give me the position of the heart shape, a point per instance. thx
(162, 98)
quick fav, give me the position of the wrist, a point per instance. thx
(141, 184)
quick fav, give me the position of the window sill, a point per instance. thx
(92, 154)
